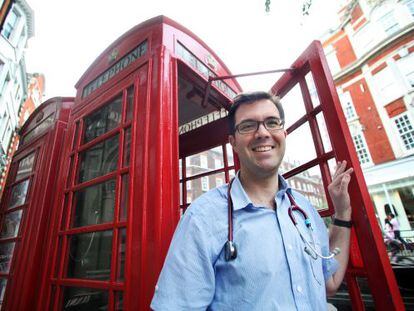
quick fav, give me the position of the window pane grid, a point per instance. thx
(406, 131)
(361, 149)
(94, 247)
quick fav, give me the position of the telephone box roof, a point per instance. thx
(157, 33)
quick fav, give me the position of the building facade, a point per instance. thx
(35, 91)
(17, 29)
(371, 57)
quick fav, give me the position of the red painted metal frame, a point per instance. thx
(368, 256)
(61, 230)
(22, 288)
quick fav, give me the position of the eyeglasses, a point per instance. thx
(250, 126)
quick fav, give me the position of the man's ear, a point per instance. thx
(232, 141)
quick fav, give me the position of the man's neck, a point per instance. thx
(260, 189)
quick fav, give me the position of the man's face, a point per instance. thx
(261, 152)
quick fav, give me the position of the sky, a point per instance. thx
(69, 35)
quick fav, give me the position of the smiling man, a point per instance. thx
(257, 244)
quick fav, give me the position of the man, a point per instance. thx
(396, 228)
(272, 270)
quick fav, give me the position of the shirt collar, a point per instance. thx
(242, 200)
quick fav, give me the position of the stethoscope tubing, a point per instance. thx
(231, 251)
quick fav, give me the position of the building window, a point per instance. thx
(364, 39)
(410, 5)
(389, 23)
(332, 60)
(203, 161)
(204, 183)
(10, 24)
(405, 131)
(406, 67)
(361, 149)
(386, 85)
(347, 106)
(219, 182)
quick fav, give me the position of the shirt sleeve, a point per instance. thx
(187, 280)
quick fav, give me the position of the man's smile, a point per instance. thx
(263, 148)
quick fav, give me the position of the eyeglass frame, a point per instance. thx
(258, 123)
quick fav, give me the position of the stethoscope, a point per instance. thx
(230, 248)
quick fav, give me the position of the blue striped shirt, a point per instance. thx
(271, 271)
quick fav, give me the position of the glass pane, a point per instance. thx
(90, 255)
(121, 254)
(229, 150)
(3, 284)
(99, 160)
(366, 293)
(25, 166)
(94, 204)
(180, 168)
(65, 211)
(41, 128)
(70, 172)
(312, 89)
(205, 161)
(11, 225)
(119, 301)
(18, 194)
(123, 209)
(77, 298)
(324, 132)
(232, 174)
(6, 254)
(293, 106)
(127, 147)
(197, 187)
(56, 270)
(181, 193)
(130, 104)
(103, 120)
(299, 146)
(309, 184)
(75, 137)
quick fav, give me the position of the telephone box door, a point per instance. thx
(318, 137)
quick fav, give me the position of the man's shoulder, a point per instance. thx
(210, 202)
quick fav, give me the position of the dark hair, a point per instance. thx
(387, 221)
(248, 98)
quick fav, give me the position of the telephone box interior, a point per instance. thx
(142, 144)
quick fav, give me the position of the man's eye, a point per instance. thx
(273, 123)
(247, 126)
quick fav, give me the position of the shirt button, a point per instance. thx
(289, 247)
(299, 288)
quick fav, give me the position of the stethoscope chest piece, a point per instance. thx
(230, 251)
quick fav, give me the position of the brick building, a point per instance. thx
(371, 56)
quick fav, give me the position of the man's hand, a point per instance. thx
(338, 190)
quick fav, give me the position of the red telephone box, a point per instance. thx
(137, 115)
(27, 203)
(142, 144)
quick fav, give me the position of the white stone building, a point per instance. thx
(17, 29)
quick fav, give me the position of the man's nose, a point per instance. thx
(262, 131)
